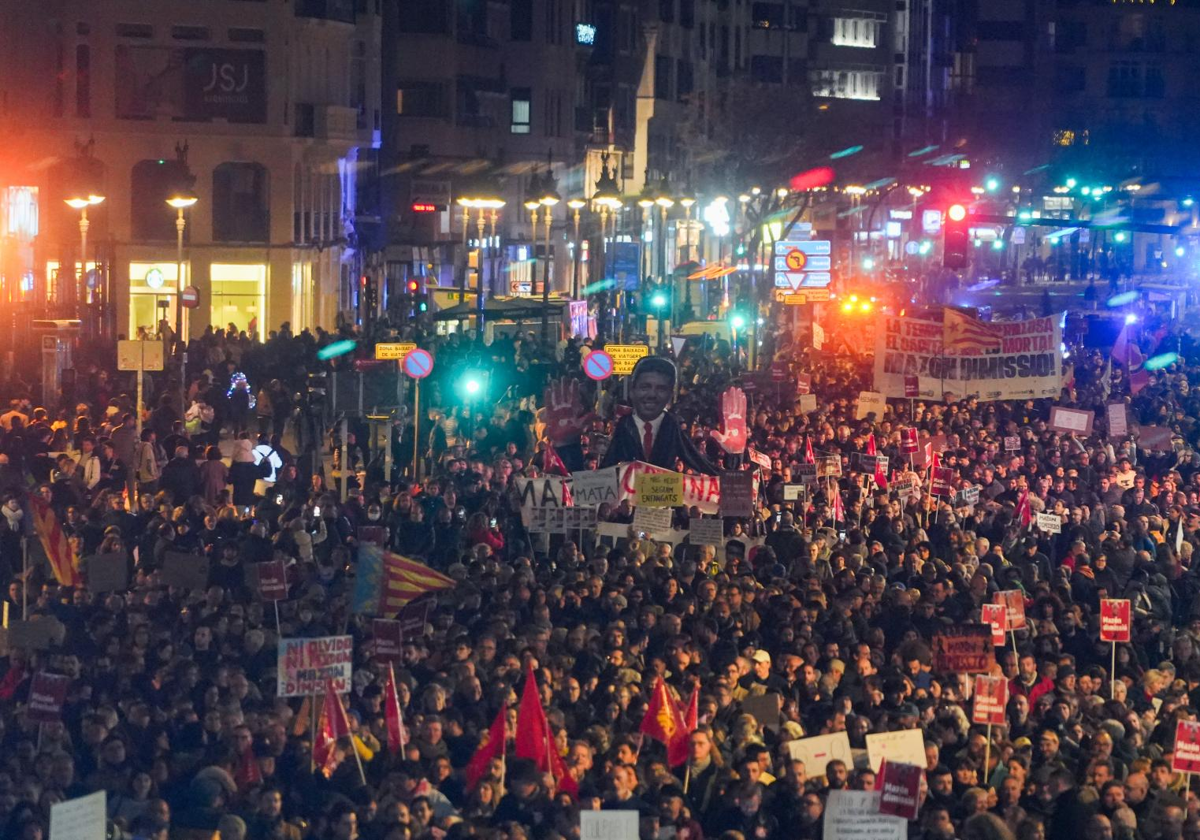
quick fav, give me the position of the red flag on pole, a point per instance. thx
(397, 735)
(333, 724)
(489, 749)
(692, 715)
(1024, 512)
(533, 739)
(880, 475)
(809, 458)
(664, 722)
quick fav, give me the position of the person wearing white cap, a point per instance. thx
(761, 678)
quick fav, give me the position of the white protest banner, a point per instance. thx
(608, 825)
(85, 818)
(819, 750)
(309, 666)
(652, 521)
(1029, 365)
(1118, 420)
(546, 492)
(854, 815)
(700, 491)
(706, 531)
(806, 403)
(1050, 523)
(870, 402)
(580, 518)
(904, 745)
(595, 487)
(1071, 420)
(793, 492)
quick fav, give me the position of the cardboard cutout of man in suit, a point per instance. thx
(651, 433)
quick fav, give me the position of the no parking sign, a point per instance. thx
(598, 365)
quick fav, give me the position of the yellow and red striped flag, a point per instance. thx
(385, 582)
(55, 542)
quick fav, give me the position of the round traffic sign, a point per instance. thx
(598, 365)
(796, 260)
(189, 298)
(418, 363)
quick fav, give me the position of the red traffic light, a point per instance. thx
(413, 285)
(956, 212)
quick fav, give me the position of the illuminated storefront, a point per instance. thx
(152, 290)
(239, 296)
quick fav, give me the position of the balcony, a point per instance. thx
(327, 122)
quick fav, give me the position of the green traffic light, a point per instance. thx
(659, 300)
(992, 183)
(738, 321)
(472, 386)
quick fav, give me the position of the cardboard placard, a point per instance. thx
(185, 571)
(963, 649)
(652, 520)
(308, 666)
(1013, 601)
(737, 493)
(107, 572)
(1075, 420)
(595, 487)
(1116, 620)
(47, 694)
(765, 709)
(1118, 419)
(854, 815)
(1049, 523)
(608, 825)
(760, 458)
(829, 466)
(991, 700)
(706, 531)
(40, 633)
(388, 639)
(85, 818)
(1012, 443)
(903, 487)
(899, 786)
(912, 387)
(1186, 757)
(807, 473)
(272, 580)
(794, 493)
(659, 489)
(904, 745)
(807, 403)
(870, 402)
(968, 495)
(819, 750)
(996, 617)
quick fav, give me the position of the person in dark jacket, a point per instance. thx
(181, 476)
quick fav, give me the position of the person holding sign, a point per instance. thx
(652, 433)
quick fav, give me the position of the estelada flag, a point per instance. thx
(397, 735)
(533, 739)
(664, 722)
(385, 582)
(490, 748)
(333, 724)
(54, 541)
(964, 335)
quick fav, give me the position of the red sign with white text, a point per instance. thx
(1116, 620)
(900, 789)
(991, 699)
(272, 581)
(47, 694)
(388, 639)
(1014, 602)
(908, 441)
(1186, 758)
(995, 615)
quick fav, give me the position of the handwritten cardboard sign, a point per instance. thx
(963, 649)
(660, 489)
(737, 493)
(308, 666)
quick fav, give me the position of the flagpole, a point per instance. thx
(24, 578)
(1113, 673)
(399, 711)
(353, 747)
(312, 709)
(687, 776)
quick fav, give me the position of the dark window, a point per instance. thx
(472, 20)
(521, 20)
(766, 68)
(247, 36)
(135, 30)
(241, 208)
(1003, 76)
(767, 15)
(662, 77)
(420, 99)
(1001, 30)
(666, 10)
(152, 182)
(521, 100)
(1124, 79)
(1069, 79)
(342, 10)
(190, 33)
(1069, 35)
(687, 13)
(1156, 85)
(83, 81)
(685, 81)
(430, 17)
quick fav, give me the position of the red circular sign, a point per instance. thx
(189, 298)
(418, 363)
(796, 260)
(598, 365)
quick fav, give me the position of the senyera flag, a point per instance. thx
(54, 541)
(385, 582)
(1116, 619)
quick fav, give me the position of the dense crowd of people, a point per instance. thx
(828, 601)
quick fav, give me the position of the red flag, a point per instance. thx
(692, 715)
(1024, 512)
(248, 773)
(333, 724)
(839, 508)
(534, 741)
(1138, 380)
(1125, 349)
(880, 475)
(808, 453)
(490, 748)
(397, 735)
(552, 462)
(664, 722)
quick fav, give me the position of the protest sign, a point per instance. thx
(185, 571)
(996, 616)
(899, 786)
(554, 520)
(272, 580)
(1115, 620)
(939, 481)
(991, 700)
(1186, 758)
(388, 638)
(968, 495)
(737, 493)
(1029, 365)
(829, 466)
(854, 815)
(47, 693)
(310, 666)
(908, 441)
(760, 458)
(595, 487)
(700, 491)
(580, 518)
(912, 387)
(870, 402)
(765, 709)
(903, 487)
(964, 649)
(819, 750)
(544, 493)
(807, 403)
(903, 745)
(40, 633)
(84, 818)
(413, 617)
(1155, 438)
(608, 825)
(1074, 420)
(807, 473)
(660, 490)
(803, 383)
(107, 572)
(1013, 601)
(651, 520)
(794, 493)
(1118, 420)
(1050, 523)
(1012, 443)
(705, 531)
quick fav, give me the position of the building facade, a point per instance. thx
(273, 103)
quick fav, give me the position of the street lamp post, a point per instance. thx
(466, 204)
(82, 203)
(548, 199)
(665, 202)
(575, 204)
(687, 201)
(608, 199)
(182, 197)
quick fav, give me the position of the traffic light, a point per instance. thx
(422, 302)
(657, 301)
(957, 232)
(413, 287)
